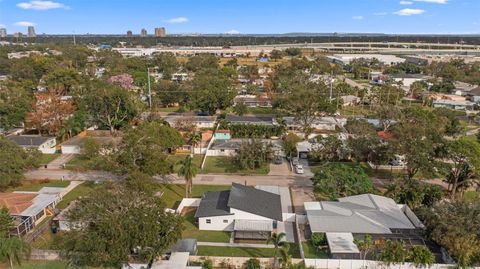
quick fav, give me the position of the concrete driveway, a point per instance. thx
(280, 169)
(306, 168)
(301, 195)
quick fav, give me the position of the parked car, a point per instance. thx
(278, 160)
(299, 169)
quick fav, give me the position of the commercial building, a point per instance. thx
(143, 32)
(129, 33)
(160, 32)
(345, 59)
(31, 31)
(3, 32)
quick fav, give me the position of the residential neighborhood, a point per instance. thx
(206, 151)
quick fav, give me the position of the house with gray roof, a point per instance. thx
(44, 144)
(252, 213)
(254, 120)
(355, 216)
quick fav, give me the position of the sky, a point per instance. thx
(243, 16)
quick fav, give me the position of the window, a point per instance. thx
(208, 221)
(225, 221)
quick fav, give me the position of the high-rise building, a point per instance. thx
(160, 32)
(3, 32)
(129, 33)
(31, 31)
(143, 33)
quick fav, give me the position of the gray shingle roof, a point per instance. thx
(213, 204)
(264, 120)
(365, 213)
(29, 140)
(255, 201)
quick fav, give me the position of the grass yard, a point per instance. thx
(191, 231)
(173, 194)
(223, 165)
(77, 163)
(48, 240)
(311, 252)
(80, 190)
(36, 185)
(47, 158)
(243, 252)
(471, 196)
(197, 160)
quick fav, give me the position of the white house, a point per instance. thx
(252, 213)
(44, 144)
(318, 124)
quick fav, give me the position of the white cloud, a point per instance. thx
(232, 32)
(433, 1)
(380, 13)
(41, 5)
(178, 20)
(409, 12)
(357, 17)
(24, 23)
(403, 2)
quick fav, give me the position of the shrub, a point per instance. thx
(318, 239)
(252, 264)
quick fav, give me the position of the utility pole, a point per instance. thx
(331, 87)
(149, 89)
(74, 41)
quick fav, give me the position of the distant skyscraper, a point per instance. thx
(129, 33)
(31, 31)
(143, 33)
(3, 32)
(160, 32)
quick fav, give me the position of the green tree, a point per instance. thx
(111, 107)
(188, 170)
(15, 102)
(339, 180)
(365, 246)
(63, 79)
(195, 139)
(277, 240)
(120, 222)
(464, 155)
(285, 258)
(329, 148)
(167, 63)
(450, 224)
(211, 90)
(318, 239)
(252, 263)
(14, 161)
(290, 144)
(415, 194)
(421, 256)
(240, 109)
(392, 252)
(253, 154)
(12, 248)
(202, 61)
(145, 149)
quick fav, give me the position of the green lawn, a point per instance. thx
(80, 190)
(471, 196)
(32, 185)
(191, 231)
(173, 194)
(224, 165)
(48, 240)
(243, 252)
(47, 158)
(312, 253)
(197, 160)
(77, 163)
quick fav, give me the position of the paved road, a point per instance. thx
(202, 179)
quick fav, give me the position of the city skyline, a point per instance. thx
(243, 17)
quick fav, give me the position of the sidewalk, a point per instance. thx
(238, 245)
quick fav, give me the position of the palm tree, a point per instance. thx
(13, 249)
(277, 241)
(195, 139)
(188, 170)
(285, 257)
